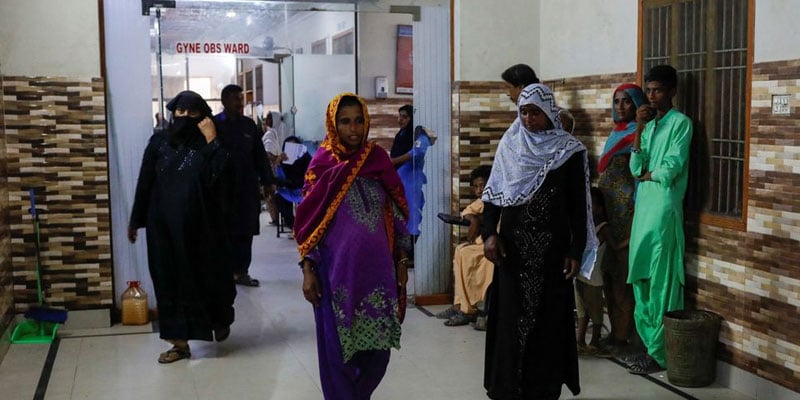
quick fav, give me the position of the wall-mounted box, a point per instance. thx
(781, 104)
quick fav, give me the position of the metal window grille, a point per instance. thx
(707, 42)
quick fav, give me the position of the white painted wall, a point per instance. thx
(495, 35)
(377, 47)
(44, 38)
(432, 256)
(777, 30)
(580, 38)
(130, 124)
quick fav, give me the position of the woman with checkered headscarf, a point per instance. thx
(538, 193)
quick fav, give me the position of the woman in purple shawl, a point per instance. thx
(352, 237)
(618, 187)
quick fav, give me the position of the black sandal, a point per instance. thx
(220, 334)
(174, 354)
(631, 359)
(447, 314)
(247, 280)
(460, 319)
(646, 366)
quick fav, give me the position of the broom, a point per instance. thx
(40, 312)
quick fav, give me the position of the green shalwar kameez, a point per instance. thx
(657, 241)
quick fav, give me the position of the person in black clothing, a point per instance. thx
(240, 135)
(181, 200)
(290, 181)
(538, 191)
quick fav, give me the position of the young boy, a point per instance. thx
(473, 272)
(660, 162)
(589, 292)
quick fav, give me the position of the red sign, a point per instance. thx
(212, 48)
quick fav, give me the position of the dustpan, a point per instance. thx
(31, 331)
(42, 322)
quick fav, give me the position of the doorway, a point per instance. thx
(288, 57)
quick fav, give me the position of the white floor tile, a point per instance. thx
(271, 354)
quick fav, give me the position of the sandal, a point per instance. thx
(480, 323)
(460, 319)
(632, 359)
(247, 280)
(646, 366)
(174, 354)
(598, 351)
(220, 334)
(447, 314)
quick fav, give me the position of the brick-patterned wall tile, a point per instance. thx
(482, 112)
(750, 278)
(6, 283)
(56, 143)
(383, 119)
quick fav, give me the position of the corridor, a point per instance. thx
(271, 354)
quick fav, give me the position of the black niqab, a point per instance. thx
(184, 129)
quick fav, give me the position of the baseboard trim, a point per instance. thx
(433, 299)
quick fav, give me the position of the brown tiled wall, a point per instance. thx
(752, 277)
(482, 112)
(55, 139)
(6, 285)
(383, 119)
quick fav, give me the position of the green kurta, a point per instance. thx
(657, 240)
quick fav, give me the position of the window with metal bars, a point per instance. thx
(709, 42)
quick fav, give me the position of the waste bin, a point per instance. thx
(691, 343)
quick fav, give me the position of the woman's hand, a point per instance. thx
(132, 234)
(208, 129)
(570, 268)
(493, 249)
(311, 290)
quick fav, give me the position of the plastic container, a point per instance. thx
(134, 305)
(691, 343)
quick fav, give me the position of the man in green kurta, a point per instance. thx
(660, 162)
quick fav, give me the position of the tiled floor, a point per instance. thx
(271, 354)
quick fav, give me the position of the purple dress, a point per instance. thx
(357, 321)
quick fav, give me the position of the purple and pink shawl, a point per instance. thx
(330, 175)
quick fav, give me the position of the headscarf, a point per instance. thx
(404, 140)
(524, 159)
(278, 126)
(183, 129)
(330, 174)
(275, 135)
(621, 138)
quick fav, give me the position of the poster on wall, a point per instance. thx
(404, 81)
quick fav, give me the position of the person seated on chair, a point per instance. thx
(473, 272)
(290, 181)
